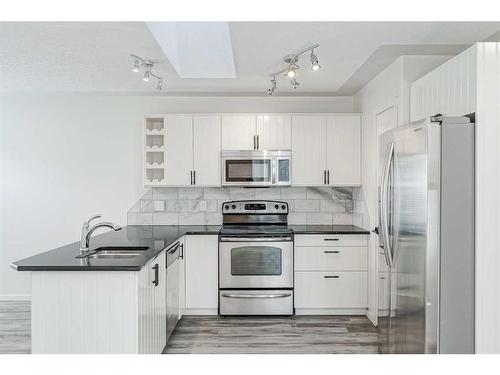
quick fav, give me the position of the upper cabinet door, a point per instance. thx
(238, 132)
(308, 150)
(178, 150)
(274, 132)
(344, 149)
(207, 146)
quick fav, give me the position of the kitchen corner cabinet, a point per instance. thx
(105, 312)
(326, 150)
(202, 266)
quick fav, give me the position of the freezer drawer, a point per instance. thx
(330, 290)
(256, 302)
(331, 258)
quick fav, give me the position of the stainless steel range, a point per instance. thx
(255, 259)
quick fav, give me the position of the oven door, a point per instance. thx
(255, 263)
(240, 171)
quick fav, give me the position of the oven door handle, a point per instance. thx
(280, 295)
(254, 239)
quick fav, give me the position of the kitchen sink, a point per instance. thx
(116, 252)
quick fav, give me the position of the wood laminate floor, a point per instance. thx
(15, 327)
(274, 335)
(229, 335)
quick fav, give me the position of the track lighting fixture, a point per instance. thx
(273, 87)
(147, 65)
(314, 62)
(290, 71)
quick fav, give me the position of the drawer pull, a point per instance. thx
(332, 277)
(331, 239)
(331, 251)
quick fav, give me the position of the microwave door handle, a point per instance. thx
(384, 202)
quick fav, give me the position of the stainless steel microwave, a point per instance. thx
(258, 168)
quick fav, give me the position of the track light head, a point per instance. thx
(294, 83)
(159, 85)
(314, 62)
(146, 76)
(136, 67)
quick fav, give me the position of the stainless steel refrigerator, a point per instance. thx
(426, 233)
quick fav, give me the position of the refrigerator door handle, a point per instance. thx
(383, 207)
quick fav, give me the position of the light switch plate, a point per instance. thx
(203, 205)
(159, 205)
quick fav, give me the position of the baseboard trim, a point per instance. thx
(15, 297)
(330, 311)
(201, 312)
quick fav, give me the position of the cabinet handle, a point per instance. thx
(258, 142)
(157, 269)
(191, 174)
(254, 143)
(331, 277)
(328, 177)
(194, 177)
(331, 251)
(181, 256)
(331, 239)
(324, 177)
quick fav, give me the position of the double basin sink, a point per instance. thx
(114, 252)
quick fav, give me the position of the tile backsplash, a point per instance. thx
(203, 206)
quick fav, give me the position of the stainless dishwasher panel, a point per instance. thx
(256, 302)
(173, 272)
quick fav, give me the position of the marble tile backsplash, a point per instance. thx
(203, 206)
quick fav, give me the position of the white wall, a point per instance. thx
(488, 198)
(389, 88)
(65, 157)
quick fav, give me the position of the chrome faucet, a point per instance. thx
(87, 231)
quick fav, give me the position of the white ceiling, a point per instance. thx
(94, 57)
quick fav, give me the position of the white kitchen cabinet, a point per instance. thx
(182, 278)
(202, 290)
(331, 274)
(343, 139)
(274, 132)
(331, 290)
(206, 150)
(308, 150)
(238, 132)
(178, 150)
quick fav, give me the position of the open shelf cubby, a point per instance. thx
(154, 124)
(155, 158)
(155, 175)
(155, 141)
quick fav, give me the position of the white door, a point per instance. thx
(343, 145)
(182, 279)
(238, 132)
(274, 132)
(178, 150)
(201, 254)
(206, 149)
(308, 150)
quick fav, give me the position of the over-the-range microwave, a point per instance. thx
(257, 168)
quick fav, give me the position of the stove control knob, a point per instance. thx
(283, 207)
(226, 207)
(233, 206)
(276, 206)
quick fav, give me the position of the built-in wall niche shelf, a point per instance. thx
(154, 150)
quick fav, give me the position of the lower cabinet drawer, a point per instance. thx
(331, 258)
(330, 290)
(256, 302)
(331, 240)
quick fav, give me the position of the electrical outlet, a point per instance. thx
(203, 205)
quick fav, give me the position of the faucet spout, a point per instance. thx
(87, 233)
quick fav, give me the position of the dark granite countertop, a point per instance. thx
(328, 229)
(156, 237)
